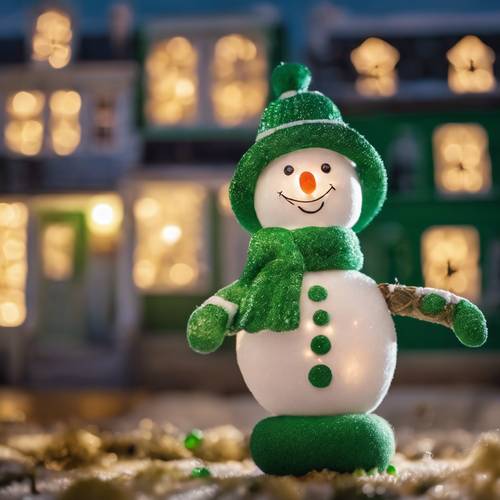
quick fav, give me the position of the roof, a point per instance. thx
(92, 15)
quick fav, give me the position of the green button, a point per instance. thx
(321, 317)
(320, 376)
(317, 293)
(320, 344)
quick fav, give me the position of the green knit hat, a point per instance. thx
(299, 119)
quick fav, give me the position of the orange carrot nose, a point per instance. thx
(307, 182)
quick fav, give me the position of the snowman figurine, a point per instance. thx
(316, 343)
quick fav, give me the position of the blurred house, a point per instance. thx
(118, 144)
(424, 90)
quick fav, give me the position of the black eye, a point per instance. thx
(288, 170)
(326, 167)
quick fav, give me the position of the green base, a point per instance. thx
(290, 445)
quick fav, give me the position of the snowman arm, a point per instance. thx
(438, 306)
(212, 321)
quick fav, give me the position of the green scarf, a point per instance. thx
(268, 291)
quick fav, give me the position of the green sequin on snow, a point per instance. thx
(391, 470)
(200, 472)
(193, 439)
(321, 317)
(320, 376)
(317, 293)
(432, 304)
(320, 344)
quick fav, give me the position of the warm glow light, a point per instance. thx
(13, 263)
(105, 214)
(375, 60)
(146, 208)
(181, 274)
(172, 82)
(450, 260)
(239, 79)
(52, 38)
(462, 159)
(171, 234)
(145, 273)
(24, 128)
(471, 66)
(170, 228)
(58, 246)
(65, 121)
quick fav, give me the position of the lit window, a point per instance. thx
(462, 160)
(24, 128)
(471, 66)
(375, 61)
(104, 120)
(239, 73)
(450, 260)
(58, 250)
(172, 85)
(65, 130)
(171, 251)
(13, 263)
(52, 38)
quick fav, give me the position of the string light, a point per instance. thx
(171, 234)
(172, 82)
(471, 66)
(375, 61)
(65, 130)
(104, 218)
(13, 263)
(450, 260)
(52, 38)
(462, 160)
(169, 253)
(146, 208)
(24, 128)
(239, 75)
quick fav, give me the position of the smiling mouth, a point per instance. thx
(293, 201)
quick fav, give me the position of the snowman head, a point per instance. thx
(307, 166)
(308, 187)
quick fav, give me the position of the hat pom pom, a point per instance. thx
(290, 77)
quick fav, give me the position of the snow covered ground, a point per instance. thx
(448, 447)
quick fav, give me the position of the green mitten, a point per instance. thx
(469, 324)
(206, 328)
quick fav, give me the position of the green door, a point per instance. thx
(62, 259)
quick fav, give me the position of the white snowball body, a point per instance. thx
(319, 187)
(280, 200)
(362, 357)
